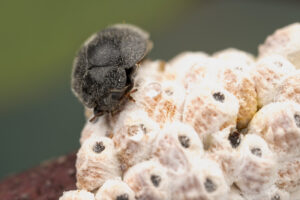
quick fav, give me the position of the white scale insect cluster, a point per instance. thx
(224, 126)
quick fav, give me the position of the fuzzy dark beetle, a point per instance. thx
(104, 69)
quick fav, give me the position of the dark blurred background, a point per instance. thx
(39, 116)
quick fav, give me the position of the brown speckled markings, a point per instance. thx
(204, 180)
(234, 74)
(170, 154)
(289, 175)
(251, 168)
(126, 156)
(207, 114)
(195, 74)
(276, 124)
(94, 168)
(176, 145)
(152, 94)
(191, 186)
(165, 111)
(241, 85)
(162, 102)
(257, 171)
(199, 125)
(289, 88)
(267, 75)
(227, 156)
(200, 71)
(135, 133)
(140, 180)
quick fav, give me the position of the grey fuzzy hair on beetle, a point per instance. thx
(104, 68)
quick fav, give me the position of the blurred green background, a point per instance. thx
(40, 118)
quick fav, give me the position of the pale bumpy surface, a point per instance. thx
(278, 124)
(267, 74)
(234, 74)
(203, 127)
(96, 162)
(115, 189)
(285, 42)
(289, 88)
(77, 195)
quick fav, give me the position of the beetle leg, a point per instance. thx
(95, 117)
(128, 95)
(131, 98)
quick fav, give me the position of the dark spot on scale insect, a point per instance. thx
(276, 197)
(297, 120)
(184, 141)
(234, 138)
(123, 197)
(98, 147)
(104, 69)
(155, 180)
(256, 151)
(218, 96)
(210, 186)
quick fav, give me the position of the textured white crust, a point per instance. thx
(162, 101)
(176, 146)
(205, 113)
(285, 42)
(257, 166)
(237, 79)
(203, 71)
(225, 154)
(267, 74)
(272, 193)
(99, 128)
(134, 137)
(114, 189)
(94, 168)
(276, 123)
(289, 88)
(224, 126)
(77, 195)
(177, 68)
(289, 175)
(235, 57)
(204, 180)
(140, 179)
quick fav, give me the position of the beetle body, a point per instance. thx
(104, 69)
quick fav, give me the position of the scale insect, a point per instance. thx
(104, 68)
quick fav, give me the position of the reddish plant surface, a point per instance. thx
(45, 182)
